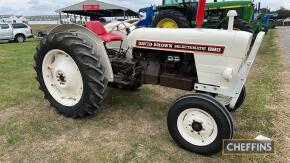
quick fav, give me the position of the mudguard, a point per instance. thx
(99, 45)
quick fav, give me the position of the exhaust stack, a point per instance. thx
(231, 14)
(200, 13)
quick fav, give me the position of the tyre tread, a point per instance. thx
(93, 74)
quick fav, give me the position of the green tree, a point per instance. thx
(265, 10)
(283, 13)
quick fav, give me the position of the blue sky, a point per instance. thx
(44, 7)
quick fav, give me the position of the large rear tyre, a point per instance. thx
(170, 19)
(199, 123)
(70, 74)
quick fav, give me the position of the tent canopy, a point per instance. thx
(97, 9)
(286, 20)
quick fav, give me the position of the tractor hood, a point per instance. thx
(215, 51)
(208, 41)
(229, 4)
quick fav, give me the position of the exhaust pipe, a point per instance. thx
(200, 13)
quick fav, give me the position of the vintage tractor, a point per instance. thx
(74, 66)
(182, 13)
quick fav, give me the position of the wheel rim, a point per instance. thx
(167, 23)
(62, 77)
(197, 127)
(20, 39)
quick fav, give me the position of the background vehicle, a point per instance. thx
(182, 13)
(266, 21)
(17, 32)
(146, 16)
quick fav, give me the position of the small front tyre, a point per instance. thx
(199, 123)
(240, 101)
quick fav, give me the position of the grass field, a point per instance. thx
(42, 27)
(131, 127)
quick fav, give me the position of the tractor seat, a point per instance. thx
(98, 28)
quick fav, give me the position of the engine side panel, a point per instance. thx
(170, 69)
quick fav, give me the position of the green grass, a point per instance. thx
(17, 82)
(263, 90)
(131, 127)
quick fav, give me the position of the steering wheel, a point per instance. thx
(125, 24)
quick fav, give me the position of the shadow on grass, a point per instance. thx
(127, 104)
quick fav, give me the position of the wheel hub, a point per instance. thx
(197, 126)
(167, 23)
(61, 78)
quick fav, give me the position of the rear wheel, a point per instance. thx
(70, 74)
(240, 25)
(19, 38)
(170, 19)
(199, 123)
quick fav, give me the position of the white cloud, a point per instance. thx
(33, 7)
(276, 4)
(43, 7)
(33, 2)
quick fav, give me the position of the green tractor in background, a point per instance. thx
(182, 13)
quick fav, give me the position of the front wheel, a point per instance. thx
(240, 101)
(199, 123)
(70, 74)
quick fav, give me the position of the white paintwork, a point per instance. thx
(62, 77)
(210, 67)
(94, 39)
(228, 74)
(209, 130)
(239, 79)
(231, 14)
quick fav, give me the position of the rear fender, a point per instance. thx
(91, 37)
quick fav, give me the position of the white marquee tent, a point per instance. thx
(286, 22)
